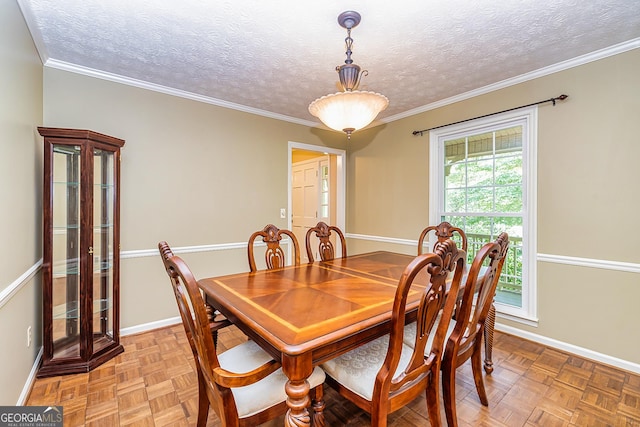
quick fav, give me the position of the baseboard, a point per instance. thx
(145, 327)
(22, 399)
(615, 362)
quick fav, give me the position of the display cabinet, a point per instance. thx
(81, 250)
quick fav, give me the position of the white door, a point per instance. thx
(304, 200)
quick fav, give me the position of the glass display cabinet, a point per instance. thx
(81, 250)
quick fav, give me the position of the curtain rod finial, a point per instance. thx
(561, 98)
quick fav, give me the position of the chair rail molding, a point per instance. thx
(395, 240)
(7, 293)
(590, 262)
(142, 253)
(540, 257)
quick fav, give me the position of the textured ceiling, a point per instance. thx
(275, 57)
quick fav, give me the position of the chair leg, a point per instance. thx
(203, 401)
(379, 414)
(449, 390)
(214, 335)
(476, 367)
(433, 397)
(489, 326)
(318, 406)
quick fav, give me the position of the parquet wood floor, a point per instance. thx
(153, 383)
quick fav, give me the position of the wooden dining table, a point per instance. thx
(307, 314)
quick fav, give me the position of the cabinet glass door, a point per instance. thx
(66, 256)
(103, 238)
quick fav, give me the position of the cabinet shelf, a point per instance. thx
(70, 310)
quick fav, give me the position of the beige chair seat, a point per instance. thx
(265, 393)
(357, 369)
(409, 337)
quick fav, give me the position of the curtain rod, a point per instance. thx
(561, 98)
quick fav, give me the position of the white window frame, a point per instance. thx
(528, 118)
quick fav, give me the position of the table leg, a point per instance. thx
(297, 389)
(489, 326)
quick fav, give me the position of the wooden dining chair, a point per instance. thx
(385, 374)
(244, 385)
(216, 320)
(467, 330)
(274, 255)
(326, 248)
(443, 231)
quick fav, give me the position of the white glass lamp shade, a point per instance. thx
(348, 111)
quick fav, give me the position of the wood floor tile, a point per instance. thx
(608, 380)
(138, 416)
(540, 417)
(575, 377)
(153, 383)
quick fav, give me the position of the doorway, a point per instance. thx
(316, 189)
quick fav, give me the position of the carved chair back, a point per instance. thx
(443, 231)
(274, 255)
(326, 248)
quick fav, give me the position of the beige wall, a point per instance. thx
(192, 174)
(588, 196)
(20, 200)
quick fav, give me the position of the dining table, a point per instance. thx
(304, 315)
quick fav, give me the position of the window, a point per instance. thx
(482, 180)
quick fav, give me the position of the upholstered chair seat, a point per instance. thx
(357, 369)
(409, 337)
(265, 393)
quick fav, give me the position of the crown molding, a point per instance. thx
(560, 66)
(116, 78)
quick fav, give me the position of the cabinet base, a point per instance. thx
(53, 367)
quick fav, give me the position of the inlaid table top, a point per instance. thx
(299, 308)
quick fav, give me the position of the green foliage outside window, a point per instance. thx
(483, 196)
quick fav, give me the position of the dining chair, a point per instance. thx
(326, 248)
(385, 374)
(244, 385)
(216, 320)
(466, 331)
(274, 255)
(443, 231)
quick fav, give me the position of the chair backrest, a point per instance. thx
(196, 324)
(274, 255)
(478, 294)
(443, 231)
(433, 305)
(326, 248)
